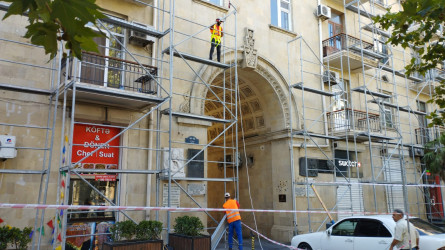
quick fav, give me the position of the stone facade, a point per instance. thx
(264, 53)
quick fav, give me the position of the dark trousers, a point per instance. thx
(237, 226)
(218, 50)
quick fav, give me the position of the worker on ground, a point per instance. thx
(217, 32)
(234, 220)
(403, 237)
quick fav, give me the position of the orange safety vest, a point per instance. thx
(216, 33)
(232, 215)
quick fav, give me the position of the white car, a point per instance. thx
(368, 233)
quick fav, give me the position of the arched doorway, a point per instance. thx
(263, 139)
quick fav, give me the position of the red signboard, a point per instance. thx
(104, 177)
(87, 138)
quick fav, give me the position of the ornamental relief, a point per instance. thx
(250, 54)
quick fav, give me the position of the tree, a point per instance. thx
(51, 21)
(416, 26)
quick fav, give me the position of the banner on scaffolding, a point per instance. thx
(86, 139)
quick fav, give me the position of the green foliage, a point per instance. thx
(426, 16)
(59, 20)
(435, 156)
(188, 225)
(15, 236)
(149, 230)
(123, 230)
(5, 236)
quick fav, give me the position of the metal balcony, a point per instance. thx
(112, 81)
(348, 123)
(428, 82)
(335, 53)
(425, 135)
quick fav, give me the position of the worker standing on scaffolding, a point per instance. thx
(234, 220)
(217, 32)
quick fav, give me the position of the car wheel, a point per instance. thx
(305, 246)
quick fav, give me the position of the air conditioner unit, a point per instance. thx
(7, 147)
(140, 39)
(331, 77)
(323, 12)
(416, 151)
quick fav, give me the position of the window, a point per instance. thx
(345, 228)
(423, 122)
(216, 2)
(335, 29)
(371, 228)
(341, 102)
(280, 13)
(102, 69)
(82, 194)
(382, 48)
(387, 120)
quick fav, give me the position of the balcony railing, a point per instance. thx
(342, 42)
(114, 73)
(348, 119)
(425, 135)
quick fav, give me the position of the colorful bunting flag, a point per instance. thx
(50, 224)
(42, 231)
(59, 222)
(59, 248)
(62, 183)
(59, 238)
(30, 235)
(66, 138)
(1, 221)
(61, 211)
(62, 195)
(53, 231)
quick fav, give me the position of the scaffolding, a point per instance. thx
(369, 112)
(123, 80)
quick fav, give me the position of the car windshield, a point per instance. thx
(426, 228)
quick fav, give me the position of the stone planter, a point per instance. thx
(134, 245)
(182, 242)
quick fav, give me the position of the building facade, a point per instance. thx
(307, 108)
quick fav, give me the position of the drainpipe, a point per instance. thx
(150, 128)
(323, 101)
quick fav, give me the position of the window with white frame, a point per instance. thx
(387, 113)
(280, 13)
(216, 2)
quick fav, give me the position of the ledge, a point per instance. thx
(211, 5)
(278, 29)
(193, 122)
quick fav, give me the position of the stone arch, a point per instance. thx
(264, 68)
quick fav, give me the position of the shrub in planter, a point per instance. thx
(188, 225)
(149, 230)
(148, 234)
(20, 238)
(17, 237)
(5, 236)
(123, 230)
(187, 234)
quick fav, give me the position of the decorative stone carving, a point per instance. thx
(250, 54)
(177, 162)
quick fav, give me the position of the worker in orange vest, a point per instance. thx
(234, 220)
(217, 32)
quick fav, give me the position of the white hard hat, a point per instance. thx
(227, 195)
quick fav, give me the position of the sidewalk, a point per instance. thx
(247, 245)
